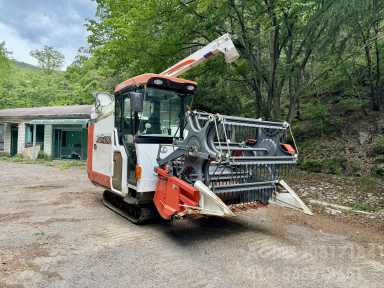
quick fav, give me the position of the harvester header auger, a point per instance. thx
(154, 156)
(240, 160)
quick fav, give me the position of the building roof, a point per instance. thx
(53, 112)
(144, 78)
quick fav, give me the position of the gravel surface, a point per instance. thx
(55, 232)
(359, 193)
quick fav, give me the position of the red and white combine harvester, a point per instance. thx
(150, 152)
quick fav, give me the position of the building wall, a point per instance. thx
(48, 140)
(21, 138)
(7, 138)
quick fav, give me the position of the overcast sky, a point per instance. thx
(30, 24)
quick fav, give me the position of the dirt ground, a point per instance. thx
(55, 232)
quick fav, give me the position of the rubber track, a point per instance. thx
(135, 214)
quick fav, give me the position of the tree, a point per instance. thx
(48, 58)
(4, 60)
(366, 19)
(276, 39)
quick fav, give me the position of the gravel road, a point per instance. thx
(55, 232)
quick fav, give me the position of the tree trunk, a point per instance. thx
(368, 58)
(290, 65)
(377, 96)
(273, 96)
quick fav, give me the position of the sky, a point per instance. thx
(26, 25)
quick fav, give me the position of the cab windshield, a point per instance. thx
(163, 113)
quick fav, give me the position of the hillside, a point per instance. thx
(25, 85)
(23, 65)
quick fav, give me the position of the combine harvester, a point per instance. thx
(151, 153)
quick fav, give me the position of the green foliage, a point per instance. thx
(311, 165)
(378, 171)
(351, 104)
(64, 165)
(266, 76)
(26, 87)
(44, 160)
(379, 159)
(318, 112)
(17, 158)
(361, 206)
(352, 168)
(378, 145)
(43, 156)
(333, 166)
(368, 184)
(329, 166)
(291, 52)
(4, 61)
(319, 116)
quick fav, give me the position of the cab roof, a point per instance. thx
(144, 79)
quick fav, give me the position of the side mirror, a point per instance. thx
(102, 100)
(137, 101)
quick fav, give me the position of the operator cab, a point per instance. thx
(149, 111)
(150, 108)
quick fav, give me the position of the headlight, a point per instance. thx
(190, 87)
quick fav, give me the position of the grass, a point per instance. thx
(361, 207)
(43, 160)
(329, 166)
(67, 164)
(368, 184)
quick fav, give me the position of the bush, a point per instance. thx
(332, 166)
(329, 166)
(44, 157)
(377, 171)
(319, 116)
(352, 168)
(368, 184)
(379, 159)
(361, 206)
(17, 158)
(311, 165)
(378, 145)
(336, 123)
(351, 104)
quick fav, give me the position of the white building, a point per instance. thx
(60, 132)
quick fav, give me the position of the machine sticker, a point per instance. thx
(103, 139)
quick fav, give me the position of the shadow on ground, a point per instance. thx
(187, 231)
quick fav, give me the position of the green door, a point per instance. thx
(71, 145)
(14, 140)
(56, 143)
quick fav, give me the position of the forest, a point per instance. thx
(314, 63)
